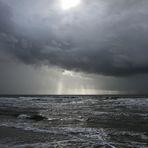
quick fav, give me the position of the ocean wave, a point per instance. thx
(61, 138)
(36, 117)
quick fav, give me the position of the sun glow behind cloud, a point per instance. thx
(68, 4)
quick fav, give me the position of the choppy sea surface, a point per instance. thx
(73, 122)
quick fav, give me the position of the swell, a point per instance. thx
(22, 113)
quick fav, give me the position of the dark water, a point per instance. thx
(73, 122)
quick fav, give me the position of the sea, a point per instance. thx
(73, 121)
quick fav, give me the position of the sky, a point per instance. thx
(92, 47)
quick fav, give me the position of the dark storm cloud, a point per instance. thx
(5, 17)
(107, 37)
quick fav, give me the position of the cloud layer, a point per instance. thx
(107, 37)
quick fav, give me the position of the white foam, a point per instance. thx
(23, 116)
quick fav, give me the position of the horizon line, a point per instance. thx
(128, 94)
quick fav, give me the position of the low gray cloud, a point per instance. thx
(107, 37)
